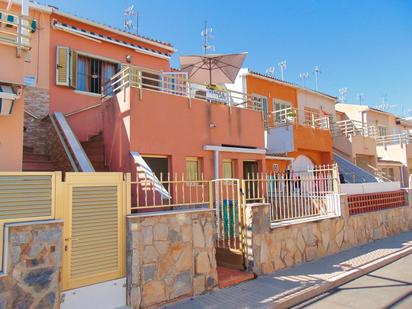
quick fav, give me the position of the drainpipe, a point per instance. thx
(216, 162)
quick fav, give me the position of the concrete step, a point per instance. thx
(229, 277)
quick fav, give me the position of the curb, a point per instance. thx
(339, 280)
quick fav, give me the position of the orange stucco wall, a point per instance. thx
(164, 124)
(66, 99)
(314, 143)
(11, 138)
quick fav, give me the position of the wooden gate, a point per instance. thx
(94, 210)
(229, 223)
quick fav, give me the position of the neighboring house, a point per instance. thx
(297, 121)
(380, 141)
(73, 59)
(18, 46)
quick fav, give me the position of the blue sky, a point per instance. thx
(365, 45)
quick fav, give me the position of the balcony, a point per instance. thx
(15, 30)
(291, 115)
(353, 128)
(176, 83)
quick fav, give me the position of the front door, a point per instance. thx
(250, 172)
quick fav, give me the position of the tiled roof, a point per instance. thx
(137, 36)
(291, 84)
(110, 39)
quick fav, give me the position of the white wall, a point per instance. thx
(280, 140)
(371, 187)
(315, 101)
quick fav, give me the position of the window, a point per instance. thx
(280, 105)
(92, 73)
(228, 169)
(382, 131)
(192, 169)
(259, 103)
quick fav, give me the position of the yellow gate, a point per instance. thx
(94, 211)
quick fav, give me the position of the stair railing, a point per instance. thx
(71, 145)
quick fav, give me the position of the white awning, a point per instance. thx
(7, 98)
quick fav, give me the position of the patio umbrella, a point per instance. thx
(217, 68)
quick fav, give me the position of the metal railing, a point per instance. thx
(394, 139)
(296, 195)
(71, 145)
(181, 192)
(353, 127)
(15, 30)
(292, 115)
(176, 84)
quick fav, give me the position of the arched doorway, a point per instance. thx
(301, 163)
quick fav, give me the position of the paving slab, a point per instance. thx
(294, 285)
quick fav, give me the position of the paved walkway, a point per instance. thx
(387, 287)
(269, 290)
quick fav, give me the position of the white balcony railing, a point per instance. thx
(353, 127)
(395, 139)
(292, 115)
(15, 30)
(176, 83)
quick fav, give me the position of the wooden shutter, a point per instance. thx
(73, 69)
(62, 66)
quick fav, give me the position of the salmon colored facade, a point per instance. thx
(158, 124)
(69, 100)
(168, 126)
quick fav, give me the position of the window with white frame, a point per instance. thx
(279, 108)
(382, 131)
(259, 102)
(193, 169)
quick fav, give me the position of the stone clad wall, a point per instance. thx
(31, 279)
(170, 255)
(272, 249)
(36, 102)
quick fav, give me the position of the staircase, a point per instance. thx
(94, 149)
(351, 172)
(36, 162)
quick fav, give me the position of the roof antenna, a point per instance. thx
(283, 66)
(128, 15)
(206, 34)
(317, 73)
(343, 92)
(360, 98)
(270, 71)
(303, 77)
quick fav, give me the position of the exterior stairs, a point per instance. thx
(94, 149)
(37, 162)
(351, 172)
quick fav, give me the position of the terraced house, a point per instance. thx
(297, 121)
(375, 140)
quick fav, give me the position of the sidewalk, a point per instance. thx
(292, 286)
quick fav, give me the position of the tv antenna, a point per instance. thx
(303, 77)
(317, 73)
(207, 35)
(360, 98)
(128, 15)
(270, 71)
(283, 66)
(343, 92)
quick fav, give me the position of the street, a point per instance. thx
(388, 287)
